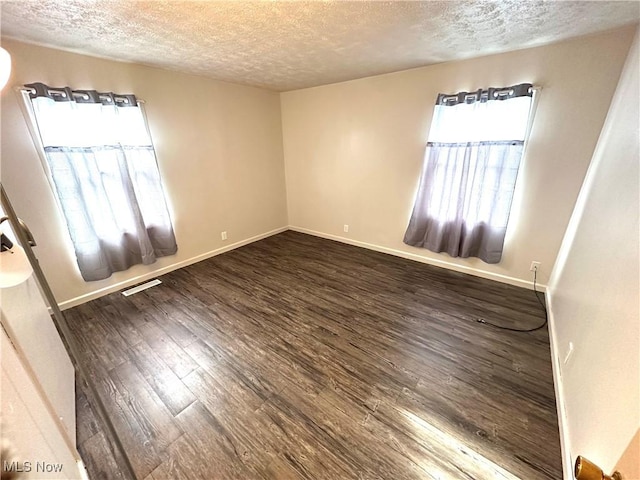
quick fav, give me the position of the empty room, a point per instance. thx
(320, 240)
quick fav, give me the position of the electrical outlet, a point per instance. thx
(346, 228)
(534, 266)
(223, 235)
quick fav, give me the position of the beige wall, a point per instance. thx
(353, 151)
(219, 149)
(594, 292)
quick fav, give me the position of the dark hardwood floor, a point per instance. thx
(297, 357)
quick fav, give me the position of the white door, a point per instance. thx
(37, 389)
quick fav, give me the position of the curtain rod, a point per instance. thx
(535, 88)
(29, 90)
(513, 91)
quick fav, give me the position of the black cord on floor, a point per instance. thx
(544, 307)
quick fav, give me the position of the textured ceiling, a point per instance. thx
(290, 45)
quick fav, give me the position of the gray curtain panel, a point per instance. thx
(469, 172)
(464, 198)
(105, 175)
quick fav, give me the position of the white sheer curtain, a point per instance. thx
(469, 173)
(104, 172)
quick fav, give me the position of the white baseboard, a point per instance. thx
(565, 448)
(391, 251)
(431, 261)
(161, 271)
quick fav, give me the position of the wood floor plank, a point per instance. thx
(282, 468)
(86, 423)
(165, 314)
(130, 427)
(99, 338)
(98, 460)
(166, 384)
(435, 459)
(213, 362)
(344, 437)
(298, 357)
(183, 462)
(303, 452)
(427, 419)
(172, 354)
(127, 312)
(236, 418)
(218, 452)
(153, 417)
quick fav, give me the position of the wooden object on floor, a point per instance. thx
(298, 357)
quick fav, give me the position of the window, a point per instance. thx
(102, 166)
(469, 173)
